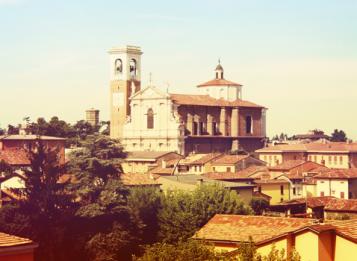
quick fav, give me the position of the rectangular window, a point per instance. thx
(260, 189)
(214, 169)
(214, 126)
(294, 191)
(342, 194)
(315, 158)
(281, 189)
(228, 169)
(195, 128)
(322, 194)
(201, 128)
(341, 160)
(329, 159)
(335, 160)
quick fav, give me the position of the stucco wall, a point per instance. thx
(307, 245)
(345, 250)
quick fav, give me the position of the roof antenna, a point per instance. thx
(150, 79)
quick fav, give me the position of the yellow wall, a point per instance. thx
(223, 168)
(307, 245)
(271, 158)
(273, 190)
(345, 250)
(332, 160)
(136, 167)
(265, 250)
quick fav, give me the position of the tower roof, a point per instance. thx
(218, 82)
(219, 67)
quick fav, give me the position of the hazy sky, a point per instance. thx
(296, 57)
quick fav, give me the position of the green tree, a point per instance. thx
(259, 205)
(183, 213)
(338, 136)
(12, 130)
(45, 206)
(182, 251)
(112, 231)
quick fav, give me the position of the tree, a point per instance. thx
(2, 131)
(182, 251)
(338, 136)
(12, 130)
(112, 231)
(259, 205)
(45, 206)
(183, 213)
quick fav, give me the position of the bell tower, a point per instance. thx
(125, 80)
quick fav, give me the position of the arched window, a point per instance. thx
(133, 69)
(118, 67)
(249, 124)
(150, 119)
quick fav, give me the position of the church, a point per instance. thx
(216, 119)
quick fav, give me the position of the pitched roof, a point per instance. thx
(287, 165)
(206, 158)
(29, 137)
(162, 171)
(271, 181)
(7, 240)
(138, 179)
(145, 155)
(238, 228)
(340, 147)
(15, 157)
(219, 82)
(337, 174)
(206, 100)
(341, 205)
(312, 202)
(229, 159)
(225, 176)
(345, 227)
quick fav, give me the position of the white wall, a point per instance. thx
(332, 187)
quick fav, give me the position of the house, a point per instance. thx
(13, 248)
(340, 183)
(14, 148)
(239, 176)
(341, 209)
(139, 180)
(232, 163)
(332, 241)
(277, 189)
(144, 161)
(331, 155)
(196, 163)
(190, 182)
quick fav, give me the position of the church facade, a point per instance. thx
(147, 119)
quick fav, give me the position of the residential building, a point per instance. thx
(14, 148)
(145, 161)
(232, 163)
(332, 241)
(147, 119)
(339, 183)
(139, 180)
(331, 155)
(13, 248)
(190, 182)
(277, 189)
(196, 163)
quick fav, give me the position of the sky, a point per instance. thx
(297, 58)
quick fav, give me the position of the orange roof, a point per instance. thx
(206, 100)
(219, 82)
(271, 181)
(15, 157)
(337, 174)
(345, 227)
(287, 165)
(30, 137)
(341, 205)
(341, 147)
(162, 171)
(229, 159)
(238, 228)
(225, 176)
(206, 158)
(137, 179)
(311, 202)
(7, 240)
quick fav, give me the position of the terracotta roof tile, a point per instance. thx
(313, 147)
(15, 157)
(345, 227)
(237, 228)
(138, 179)
(219, 82)
(7, 240)
(337, 174)
(226, 176)
(162, 171)
(287, 165)
(271, 181)
(206, 158)
(343, 205)
(229, 159)
(29, 137)
(206, 100)
(311, 202)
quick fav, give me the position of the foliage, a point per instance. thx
(45, 206)
(182, 251)
(2, 131)
(12, 130)
(112, 230)
(183, 213)
(338, 136)
(259, 205)
(145, 204)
